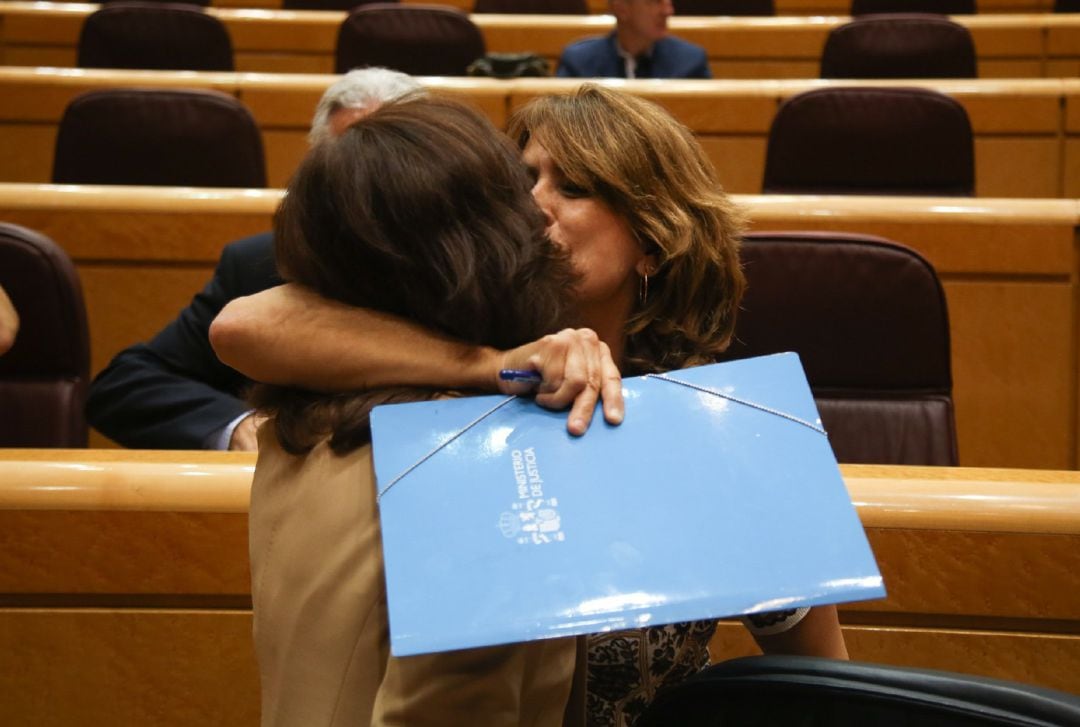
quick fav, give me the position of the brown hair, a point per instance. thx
(649, 169)
(421, 209)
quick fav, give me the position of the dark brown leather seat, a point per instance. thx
(158, 137)
(724, 7)
(867, 140)
(899, 46)
(154, 36)
(868, 319)
(422, 40)
(537, 7)
(940, 7)
(328, 4)
(43, 378)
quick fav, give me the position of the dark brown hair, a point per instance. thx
(421, 209)
(649, 169)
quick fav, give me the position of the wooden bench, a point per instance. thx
(1010, 269)
(1008, 45)
(125, 596)
(1027, 132)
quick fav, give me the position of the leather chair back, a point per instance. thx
(807, 690)
(866, 140)
(536, 7)
(154, 36)
(899, 46)
(328, 4)
(724, 7)
(868, 319)
(158, 137)
(43, 377)
(422, 40)
(940, 7)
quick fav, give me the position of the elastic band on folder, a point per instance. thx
(432, 453)
(737, 400)
(662, 377)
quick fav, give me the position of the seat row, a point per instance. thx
(847, 140)
(441, 41)
(884, 393)
(1008, 268)
(1019, 46)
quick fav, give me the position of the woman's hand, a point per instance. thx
(576, 369)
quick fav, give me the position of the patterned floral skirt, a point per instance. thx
(628, 668)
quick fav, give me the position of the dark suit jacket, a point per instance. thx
(172, 392)
(599, 58)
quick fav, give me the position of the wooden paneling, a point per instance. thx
(87, 667)
(124, 591)
(783, 7)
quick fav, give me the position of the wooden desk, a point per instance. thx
(783, 7)
(1010, 45)
(125, 597)
(1024, 143)
(1010, 270)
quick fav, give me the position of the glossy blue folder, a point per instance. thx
(726, 499)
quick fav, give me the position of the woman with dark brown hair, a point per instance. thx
(629, 194)
(421, 210)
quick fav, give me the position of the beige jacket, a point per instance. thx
(321, 631)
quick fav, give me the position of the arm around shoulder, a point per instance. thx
(291, 336)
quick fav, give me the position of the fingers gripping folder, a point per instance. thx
(718, 495)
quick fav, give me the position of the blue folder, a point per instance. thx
(719, 495)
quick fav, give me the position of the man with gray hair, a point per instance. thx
(172, 392)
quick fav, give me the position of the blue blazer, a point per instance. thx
(599, 58)
(172, 392)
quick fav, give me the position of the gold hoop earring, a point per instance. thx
(643, 289)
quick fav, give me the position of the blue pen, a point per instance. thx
(527, 376)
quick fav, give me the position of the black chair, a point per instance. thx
(867, 140)
(422, 40)
(940, 7)
(724, 7)
(760, 691)
(158, 137)
(154, 36)
(899, 46)
(43, 378)
(536, 7)
(869, 320)
(1067, 6)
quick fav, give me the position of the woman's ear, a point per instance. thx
(647, 264)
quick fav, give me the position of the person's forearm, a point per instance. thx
(818, 634)
(292, 337)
